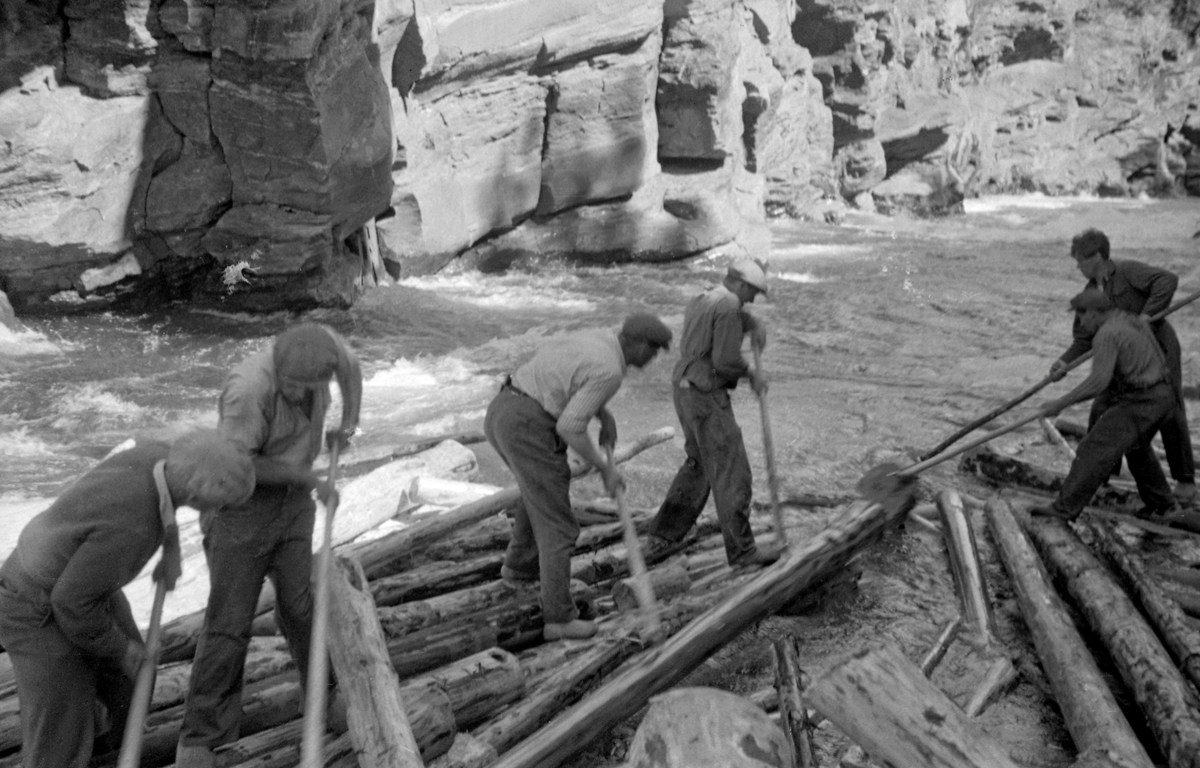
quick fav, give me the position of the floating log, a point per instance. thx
(1180, 638)
(935, 654)
(379, 728)
(1092, 715)
(775, 586)
(1145, 666)
(793, 717)
(964, 566)
(914, 724)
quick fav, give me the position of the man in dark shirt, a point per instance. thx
(1130, 372)
(711, 364)
(273, 407)
(63, 619)
(542, 409)
(1143, 290)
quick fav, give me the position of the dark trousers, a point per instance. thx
(1126, 425)
(544, 527)
(716, 461)
(58, 685)
(269, 537)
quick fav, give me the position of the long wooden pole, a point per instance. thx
(984, 419)
(131, 743)
(803, 565)
(769, 452)
(642, 589)
(318, 656)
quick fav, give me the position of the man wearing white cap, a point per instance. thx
(710, 365)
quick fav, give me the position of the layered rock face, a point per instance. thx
(265, 154)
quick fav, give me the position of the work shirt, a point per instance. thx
(1139, 362)
(93, 540)
(1132, 286)
(575, 377)
(255, 415)
(711, 345)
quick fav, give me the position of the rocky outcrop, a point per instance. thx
(261, 155)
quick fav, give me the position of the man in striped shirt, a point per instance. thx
(1129, 378)
(541, 410)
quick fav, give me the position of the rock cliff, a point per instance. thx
(267, 154)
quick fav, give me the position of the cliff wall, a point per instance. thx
(267, 154)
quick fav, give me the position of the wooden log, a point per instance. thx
(914, 724)
(1180, 638)
(1000, 675)
(793, 717)
(771, 588)
(666, 581)
(987, 463)
(378, 556)
(1055, 437)
(466, 752)
(379, 728)
(1188, 603)
(435, 579)
(935, 654)
(1144, 665)
(1092, 715)
(965, 567)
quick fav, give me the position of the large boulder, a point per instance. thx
(707, 728)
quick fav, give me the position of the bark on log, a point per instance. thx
(1092, 715)
(965, 567)
(914, 724)
(1145, 666)
(793, 717)
(1180, 638)
(379, 728)
(935, 654)
(773, 587)
(435, 579)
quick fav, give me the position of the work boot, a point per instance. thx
(757, 556)
(1185, 493)
(194, 756)
(1052, 511)
(577, 629)
(1151, 511)
(656, 547)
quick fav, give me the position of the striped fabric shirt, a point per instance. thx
(1127, 338)
(573, 378)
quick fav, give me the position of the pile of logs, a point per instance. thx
(422, 627)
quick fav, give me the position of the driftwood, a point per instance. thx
(379, 728)
(772, 588)
(1092, 715)
(1180, 638)
(965, 567)
(1144, 665)
(938, 651)
(914, 724)
(793, 717)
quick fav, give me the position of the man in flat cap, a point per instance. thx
(1130, 379)
(540, 411)
(1143, 290)
(64, 621)
(273, 406)
(710, 366)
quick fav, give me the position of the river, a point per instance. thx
(884, 336)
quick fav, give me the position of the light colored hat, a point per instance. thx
(750, 271)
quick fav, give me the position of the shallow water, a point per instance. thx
(885, 336)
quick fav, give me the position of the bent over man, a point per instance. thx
(542, 409)
(1143, 290)
(273, 407)
(64, 621)
(710, 365)
(1135, 397)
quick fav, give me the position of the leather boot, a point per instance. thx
(577, 629)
